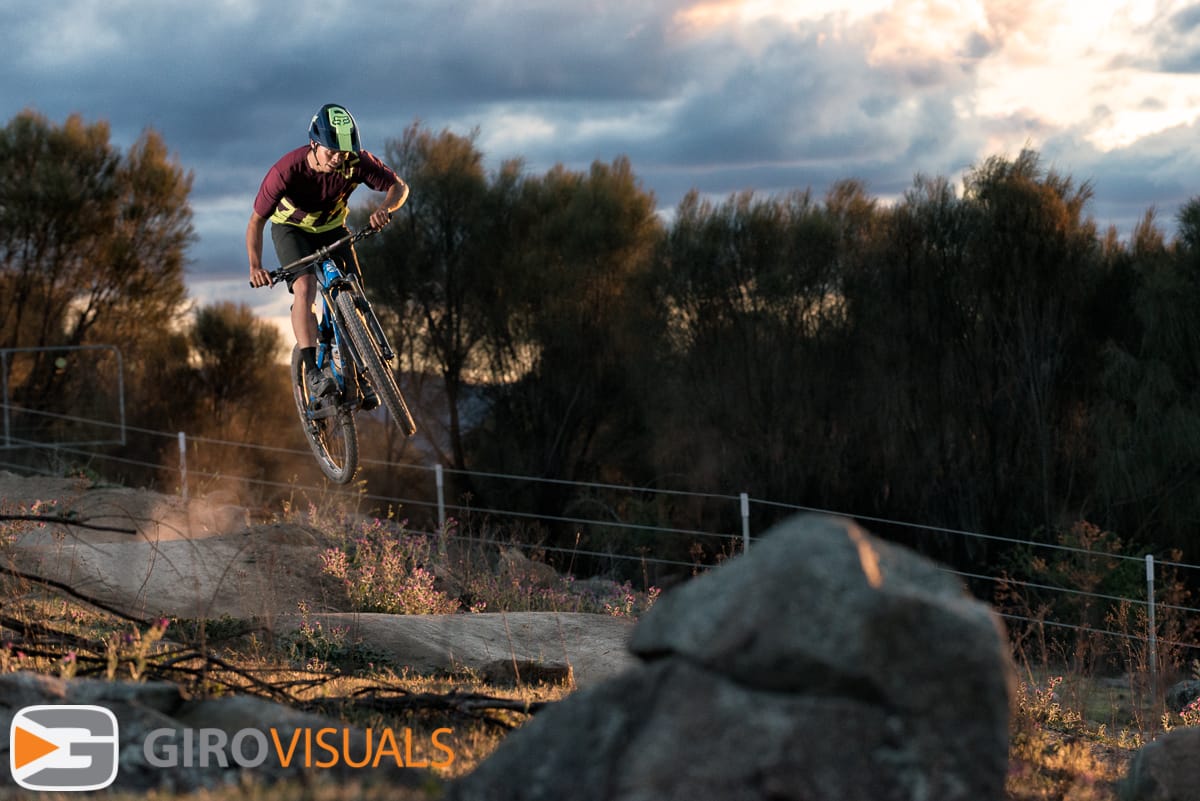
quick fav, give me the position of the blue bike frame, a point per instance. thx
(348, 326)
(331, 280)
(329, 335)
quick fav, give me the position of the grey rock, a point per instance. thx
(1165, 770)
(1182, 693)
(823, 664)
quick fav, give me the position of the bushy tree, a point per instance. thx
(751, 287)
(232, 386)
(235, 353)
(434, 268)
(580, 317)
(92, 246)
(1146, 419)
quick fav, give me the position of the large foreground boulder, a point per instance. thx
(1166, 769)
(823, 664)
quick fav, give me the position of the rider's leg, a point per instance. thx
(304, 322)
(291, 244)
(304, 326)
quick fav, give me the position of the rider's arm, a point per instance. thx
(396, 195)
(254, 248)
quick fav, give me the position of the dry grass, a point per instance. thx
(1072, 735)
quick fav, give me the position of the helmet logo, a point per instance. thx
(339, 117)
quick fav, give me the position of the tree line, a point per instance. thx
(981, 356)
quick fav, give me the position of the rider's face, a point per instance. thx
(328, 160)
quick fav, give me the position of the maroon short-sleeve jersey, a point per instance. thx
(295, 194)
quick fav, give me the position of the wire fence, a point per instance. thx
(1150, 618)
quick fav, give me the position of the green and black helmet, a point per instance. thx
(334, 128)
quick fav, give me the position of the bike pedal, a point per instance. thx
(321, 408)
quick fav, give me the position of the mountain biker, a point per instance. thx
(305, 195)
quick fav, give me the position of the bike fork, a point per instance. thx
(373, 324)
(385, 348)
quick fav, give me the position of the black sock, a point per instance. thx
(309, 355)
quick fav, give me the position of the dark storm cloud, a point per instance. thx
(540, 51)
(241, 84)
(230, 86)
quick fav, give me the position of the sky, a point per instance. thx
(719, 96)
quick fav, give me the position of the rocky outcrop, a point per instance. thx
(823, 664)
(1165, 769)
(1182, 693)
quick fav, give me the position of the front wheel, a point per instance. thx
(377, 369)
(330, 430)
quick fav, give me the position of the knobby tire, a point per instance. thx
(333, 439)
(376, 368)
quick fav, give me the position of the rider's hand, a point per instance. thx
(380, 218)
(259, 277)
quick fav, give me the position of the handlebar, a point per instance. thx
(281, 273)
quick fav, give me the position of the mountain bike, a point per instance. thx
(351, 344)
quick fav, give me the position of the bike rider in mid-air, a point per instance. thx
(305, 196)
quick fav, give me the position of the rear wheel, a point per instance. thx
(377, 369)
(330, 429)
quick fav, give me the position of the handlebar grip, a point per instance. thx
(275, 275)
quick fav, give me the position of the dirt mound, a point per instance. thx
(150, 554)
(160, 555)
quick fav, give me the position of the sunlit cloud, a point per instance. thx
(512, 131)
(1037, 66)
(1077, 65)
(713, 13)
(911, 32)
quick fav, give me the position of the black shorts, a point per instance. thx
(292, 243)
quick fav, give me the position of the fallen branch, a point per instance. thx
(71, 591)
(63, 520)
(391, 700)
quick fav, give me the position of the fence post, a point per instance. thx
(745, 522)
(183, 480)
(4, 388)
(441, 494)
(1153, 639)
(441, 500)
